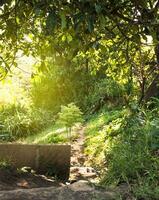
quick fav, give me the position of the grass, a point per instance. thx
(52, 135)
(5, 164)
(122, 144)
(95, 142)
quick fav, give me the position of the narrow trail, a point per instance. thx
(78, 170)
(77, 151)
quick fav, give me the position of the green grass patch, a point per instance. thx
(54, 134)
(123, 145)
(97, 126)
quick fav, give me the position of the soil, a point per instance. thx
(78, 170)
(12, 179)
(24, 184)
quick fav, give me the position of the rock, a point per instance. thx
(23, 183)
(83, 173)
(80, 190)
(81, 159)
(81, 185)
(26, 169)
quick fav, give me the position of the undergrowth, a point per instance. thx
(5, 164)
(123, 144)
(51, 135)
(17, 121)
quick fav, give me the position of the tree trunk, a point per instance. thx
(153, 89)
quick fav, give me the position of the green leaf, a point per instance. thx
(90, 24)
(51, 21)
(37, 11)
(64, 38)
(63, 20)
(17, 20)
(69, 38)
(98, 8)
(78, 19)
(144, 37)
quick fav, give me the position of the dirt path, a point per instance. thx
(77, 149)
(78, 170)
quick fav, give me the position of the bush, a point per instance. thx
(56, 138)
(131, 156)
(106, 91)
(69, 116)
(125, 147)
(59, 85)
(19, 122)
(96, 138)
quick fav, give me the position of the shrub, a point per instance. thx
(125, 147)
(69, 116)
(56, 138)
(106, 91)
(18, 122)
(131, 156)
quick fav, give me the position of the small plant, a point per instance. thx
(5, 164)
(69, 116)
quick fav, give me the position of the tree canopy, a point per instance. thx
(90, 31)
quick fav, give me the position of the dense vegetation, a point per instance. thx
(99, 58)
(122, 144)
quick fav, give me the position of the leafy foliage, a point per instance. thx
(123, 146)
(107, 34)
(20, 122)
(98, 54)
(106, 92)
(69, 116)
(5, 164)
(60, 84)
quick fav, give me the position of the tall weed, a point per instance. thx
(19, 122)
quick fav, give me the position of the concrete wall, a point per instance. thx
(42, 158)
